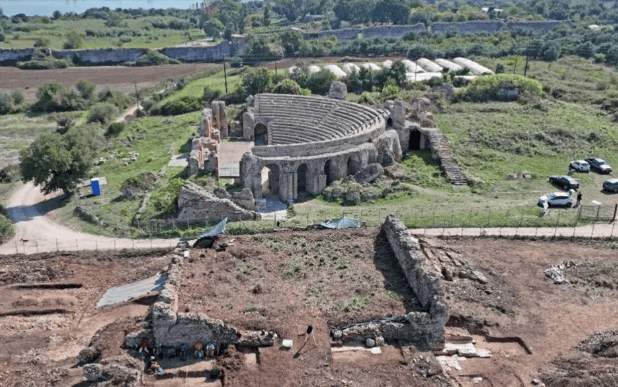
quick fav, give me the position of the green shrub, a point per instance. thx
(102, 112)
(319, 82)
(305, 92)
(45, 64)
(154, 58)
(114, 129)
(210, 94)
(6, 227)
(499, 87)
(116, 98)
(390, 90)
(54, 97)
(182, 105)
(287, 86)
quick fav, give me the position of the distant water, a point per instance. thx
(47, 7)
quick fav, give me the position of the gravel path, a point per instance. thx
(36, 231)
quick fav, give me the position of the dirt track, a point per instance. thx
(117, 77)
(37, 231)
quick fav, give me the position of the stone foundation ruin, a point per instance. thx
(424, 328)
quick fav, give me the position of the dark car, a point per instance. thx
(611, 185)
(566, 182)
(599, 165)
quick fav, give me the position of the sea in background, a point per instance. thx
(47, 7)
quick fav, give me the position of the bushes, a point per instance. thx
(499, 87)
(287, 86)
(114, 129)
(11, 102)
(6, 227)
(102, 112)
(179, 106)
(53, 97)
(154, 58)
(45, 64)
(319, 82)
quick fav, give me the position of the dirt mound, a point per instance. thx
(591, 363)
(34, 272)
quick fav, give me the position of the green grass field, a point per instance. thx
(133, 33)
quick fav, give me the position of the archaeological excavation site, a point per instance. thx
(313, 307)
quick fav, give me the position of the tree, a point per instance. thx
(550, 52)
(86, 89)
(287, 86)
(355, 11)
(612, 55)
(291, 41)
(54, 161)
(213, 27)
(102, 112)
(56, 15)
(232, 15)
(395, 11)
(267, 15)
(73, 40)
(42, 42)
(49, 96)
(65, 123)
(585, 50)
(319, 82)
(256, 81)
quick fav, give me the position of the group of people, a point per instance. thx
(151, 353)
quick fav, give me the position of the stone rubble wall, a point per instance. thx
(195, 204)
(472, 27)
(369, 32)
(424, 329)
(173, 329)
(119, 56)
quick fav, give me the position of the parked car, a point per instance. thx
(599, 165)
(557, 199)
(611, 185)
(579, 166)
(566, 182)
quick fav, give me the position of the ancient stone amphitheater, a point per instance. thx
(302, 144)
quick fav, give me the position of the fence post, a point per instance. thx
(615, 211)
(57, 248)
(613, 225)
(17, 248)
(488, 218)
(598, 211)
(96, 245)
(592, 233)
(114, 245)
(37, 245)
(556, 226)
(76, 244)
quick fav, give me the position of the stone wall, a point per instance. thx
(423, 328)
(109, 56)
(369, 32)
(195, 204)
(468, 27)
(170, 328)
(118, 56)
(491, 26)
(538, 25)
(10, 57)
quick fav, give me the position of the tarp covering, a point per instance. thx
(132, 291)
(218, 229)
(344, 222)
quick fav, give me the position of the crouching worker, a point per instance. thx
(153, 366)
(198, 350)
(210, 350)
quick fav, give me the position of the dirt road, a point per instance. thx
(32, 212)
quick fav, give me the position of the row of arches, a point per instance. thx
(270, 175)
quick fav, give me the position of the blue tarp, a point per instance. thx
(214, 231)
(344, 222)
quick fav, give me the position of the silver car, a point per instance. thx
(579, 166)
(557, 199)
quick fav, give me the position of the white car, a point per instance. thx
(579, 166)
(556, 199)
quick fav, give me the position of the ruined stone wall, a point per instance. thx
(109, 56)
(491, 26)
(470, 27)
(369, 32)
(170, 328)
(10, 57)
(538, 25)
(118, 56)
(195, 204)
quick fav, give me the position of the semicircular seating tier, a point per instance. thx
(295, 119)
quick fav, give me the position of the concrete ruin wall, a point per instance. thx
(537, 25)
(195, 204)
(173, 329)
(118, 56)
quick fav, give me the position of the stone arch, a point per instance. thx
(269, 178)
(301, 178)
(415, 140)
(260, 135)
(354, 164)
(330, 172)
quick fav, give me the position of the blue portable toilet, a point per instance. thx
(96, 187)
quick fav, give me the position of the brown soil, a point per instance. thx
(278, 281)
(117, 77)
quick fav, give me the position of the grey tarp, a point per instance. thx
(344, 222)
(132, 291)
(218, 229)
